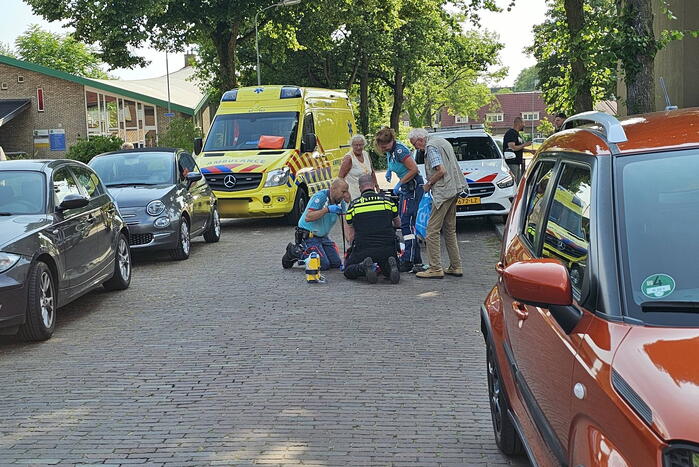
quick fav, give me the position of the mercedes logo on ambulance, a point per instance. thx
(229, 181)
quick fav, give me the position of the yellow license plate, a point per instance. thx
(464, 201)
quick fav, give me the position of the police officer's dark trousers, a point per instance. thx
(354, 269)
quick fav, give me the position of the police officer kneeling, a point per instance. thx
(374, 218)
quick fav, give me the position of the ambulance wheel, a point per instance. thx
(300, 202)
(286, 262)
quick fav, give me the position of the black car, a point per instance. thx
(60, 236)
(162, 196)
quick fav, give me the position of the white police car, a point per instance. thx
(490, 182)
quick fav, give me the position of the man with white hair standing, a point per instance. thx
(445, 181)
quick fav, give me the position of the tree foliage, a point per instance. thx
(527, 80)
(86, 149)
(7, 50)
(59, 51)
(376, 49)
(180, 133)
(555, 53)
(616, 40)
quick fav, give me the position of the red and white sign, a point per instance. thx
(40, 99)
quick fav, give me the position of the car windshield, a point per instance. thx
(658, 205)
(22, 192)
(135, 168)
(252, 131)
(469, 148)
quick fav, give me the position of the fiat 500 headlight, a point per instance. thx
(7, 260)
(277, 177)
(155, 208)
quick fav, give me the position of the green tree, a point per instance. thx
(555, 53)
(59, 51)
(86, 149)
(585, 46)
(456, 80)
(180, 133)
(6, 50)
(527, 80)
(546, 128)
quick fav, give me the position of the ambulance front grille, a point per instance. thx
(243, 182)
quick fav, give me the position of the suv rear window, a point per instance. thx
(658, 202)
(469, 148)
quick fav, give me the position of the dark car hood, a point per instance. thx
(138, 196)
(660, 365)
(13, 228)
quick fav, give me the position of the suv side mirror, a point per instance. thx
(544, 283)
(309, 142)
(539, 282)
(510, 155)
(198, 146)
(73, 202)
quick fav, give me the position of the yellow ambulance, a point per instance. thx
(271, 147)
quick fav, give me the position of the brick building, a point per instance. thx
(500, 114)
(44, 111)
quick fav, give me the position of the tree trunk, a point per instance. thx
(364, 94)
(639, 75)
(398, 98)
(225, 39)
(575, 17)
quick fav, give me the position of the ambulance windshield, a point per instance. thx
(253, 131)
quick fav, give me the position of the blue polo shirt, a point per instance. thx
(395, 158)
(320, 227)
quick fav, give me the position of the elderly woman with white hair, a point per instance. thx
(355, 164)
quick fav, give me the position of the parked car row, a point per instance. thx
(67, 228)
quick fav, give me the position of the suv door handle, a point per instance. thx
(520, 310)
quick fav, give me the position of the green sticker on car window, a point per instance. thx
(658, 286)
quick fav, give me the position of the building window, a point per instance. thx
(93, 113)
(130, 115)
(460, 119)
(498, 117)
(530, 116)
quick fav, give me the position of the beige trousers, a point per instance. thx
(443, 219)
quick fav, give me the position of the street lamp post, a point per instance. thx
(257, 39)
(536, 83)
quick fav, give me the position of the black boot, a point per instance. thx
(394, 273)
(405, 266)
(370, 270)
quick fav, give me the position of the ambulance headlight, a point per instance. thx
(277, 177)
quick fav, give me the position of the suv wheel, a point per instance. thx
(122, 266)
(41, 306)
(505, 435)
(213, 233)
(181, 252)
(300, 202)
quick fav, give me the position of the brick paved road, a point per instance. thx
(228, 359)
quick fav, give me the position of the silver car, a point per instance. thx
(162, 196)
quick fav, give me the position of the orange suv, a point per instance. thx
(592, 330)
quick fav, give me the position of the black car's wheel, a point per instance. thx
(122, 266)
(506, 436)
(213, 232)
(300, 202)
(41, 305)
(181, 252)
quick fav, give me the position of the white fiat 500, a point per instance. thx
(490, 182)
